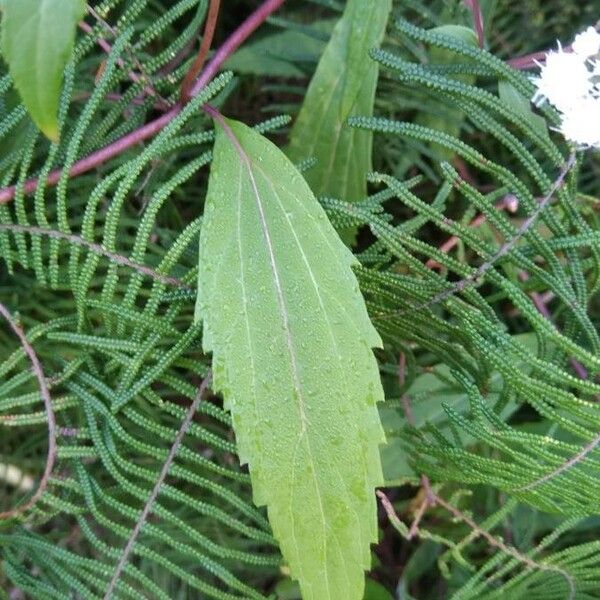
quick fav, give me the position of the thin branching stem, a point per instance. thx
(509, 550)
(530, 61)
(50, 417)
(96, 249)
(565, 466)
(191, 411)
(163, 103)
(475, 277)
(434, 499)
(194, 70)
(494, 542)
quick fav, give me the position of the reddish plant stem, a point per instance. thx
(234, 41)
(529, 61)
(97, 158)
(536, 298)
(151, 129)
(540, 303)
(209, 32)
(148, 89)
(463, 170)
(509, 203)
(51, 419)
(475, 8)
(580, 370)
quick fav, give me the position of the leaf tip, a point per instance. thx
(51, 131)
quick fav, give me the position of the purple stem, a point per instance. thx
(475, 8)
(231, 44)
(528, 61)
(540, 304)
(234, 41)
(97, 158)
(148, 89)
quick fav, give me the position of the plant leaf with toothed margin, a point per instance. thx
(343, 85)
(37, 39)
(291, 343)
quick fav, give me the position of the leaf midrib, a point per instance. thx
(285, 318)
(318, 293)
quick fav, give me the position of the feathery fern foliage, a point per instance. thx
(491, 342)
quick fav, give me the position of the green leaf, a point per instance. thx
(291, 343)
(460, 32)
(37, 39)
(274, 54)
(343, 85)
(375, 591)
(520, 105)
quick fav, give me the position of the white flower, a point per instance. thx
(581, 124)
(563, 78)
(587, 43)
(570, 81)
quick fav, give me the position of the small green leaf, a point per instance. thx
(343, 85)
(460, 32)
(291, 343)
(520, 105)
(375, 591)
(275, 54)
(36, 41)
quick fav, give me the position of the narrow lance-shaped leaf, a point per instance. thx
(291, 343)
(37, 39)
(343, 85)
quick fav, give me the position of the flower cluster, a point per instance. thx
(570, 81)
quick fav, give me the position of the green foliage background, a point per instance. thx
(505, 426)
